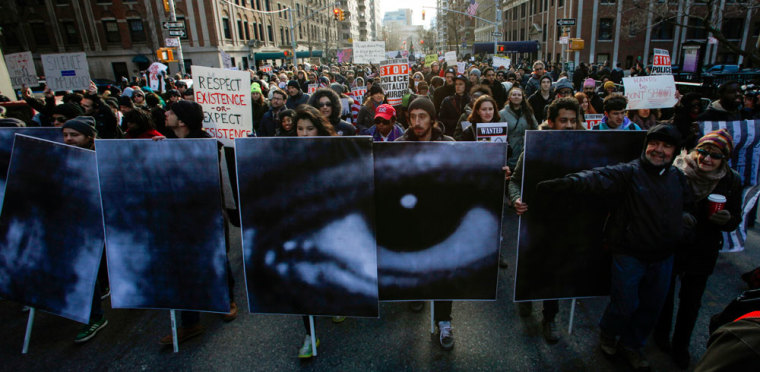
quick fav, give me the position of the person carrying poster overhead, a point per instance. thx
(562, 114)
(648, 200)
(185, 119)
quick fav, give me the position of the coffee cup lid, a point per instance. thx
(716, 198)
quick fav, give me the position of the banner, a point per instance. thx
(359, 92)
(430, 59)
(593, 119)
(226, 60)
(394, 76)
(226, 100)
(21, 69)
(266, 69)
(450, 58)
(461, 67)
(67, 71)
(345, 55)
(154, 75)
(368, 52)
(492, 132)
(499, 61)
(661, 63)
(312, 88)
(650, 92)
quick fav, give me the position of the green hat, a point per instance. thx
(255, 88)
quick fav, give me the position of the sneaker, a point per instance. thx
(416, 306)
(306, 351)
(551, 333)
(681, 357)
(108, 293)
(232, 315)
(446, 335)
(525, 308)
(636, 358)
(338, 319)
(89, 331)
(503, 263)
(608, 344)
(183, 334)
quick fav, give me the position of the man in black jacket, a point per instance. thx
(499, 93)
(642, 232)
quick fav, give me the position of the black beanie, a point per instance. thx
(294, 83)
(82, 124)
(126, 102)
(191, 113)
(376, 88)
(423, 103)
(69, 110)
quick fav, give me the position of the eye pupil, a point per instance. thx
(408, 201)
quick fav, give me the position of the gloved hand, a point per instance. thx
(689, 221)
(555, 185)
(720, 217)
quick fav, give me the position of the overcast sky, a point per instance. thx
(415, 6)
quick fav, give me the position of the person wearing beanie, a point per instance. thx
(296, 96)
(259, 105)
(707, 173)
(609, 87)
(373, 99)
(125, 104)
(453, 106)
(172, 96)
(80, 131)
(642, 231)
(446, 90)
(589, 89)
(474, 76)
(107, 123)
(64, 112)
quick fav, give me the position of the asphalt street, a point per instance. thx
(489, 335)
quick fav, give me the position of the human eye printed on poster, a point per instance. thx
(225, 96)
(7, 136)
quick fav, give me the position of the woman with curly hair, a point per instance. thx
(328, 104)
(286, 124)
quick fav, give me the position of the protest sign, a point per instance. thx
(51, 229)
(328, 243)
(368, 52)
(461, 67)
(67, 71)
(359, 92)
(661, 63)
(345, 55)
(430, 58)
(394, 76)
(593, 119)
(650, 92)
(226, 59)
(560, 250)
(492, 132)
(154, 75)
(21, 69)
(226, 100)
(312, 88)
(448, 247)
(450, 58)
(499, 61)
(266, 69)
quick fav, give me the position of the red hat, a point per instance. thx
(385, 111)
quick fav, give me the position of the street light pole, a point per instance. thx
(292, 35)
(173, 18)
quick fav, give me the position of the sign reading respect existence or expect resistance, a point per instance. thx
(648, 92)
(368, 51)
(21, 69)
(66, 71)
(394, 77)
(226, 100)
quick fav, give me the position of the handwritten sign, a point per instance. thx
(369, 51)
(66, 71)
(499, 61)
(312, 88)
(21, 69)
(226, 100)
(593, 119)
(650, 91)
(394, 76)
(461, 67)
(226, 59)
(492, 132)
(450, 58)
(154, 75)
(266, 69)
(345, 55)
(661, 63)
(430, 58)
(359, 92)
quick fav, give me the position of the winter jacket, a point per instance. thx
(341, 127)
(716, 112)
(441, 93)
(268, 123)
(538, 103)
(299, 99)
(258, 110)
(627, 125)
(395, 133)
(366, 117)
(533, 85)
(451, 109)
(499, 93)
(518, 124)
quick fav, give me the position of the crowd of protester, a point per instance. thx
(663, 191)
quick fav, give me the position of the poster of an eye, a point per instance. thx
(560, 251)
(51, 228)
(6, 144)
(307, 219)
(438, 219)
(165, 240)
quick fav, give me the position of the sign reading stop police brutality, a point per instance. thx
(661, 63)
(226, 100)
(66, 71)
(394, 76)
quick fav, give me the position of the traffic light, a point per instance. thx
(342, 15)
(165, 54)
(423, 14)
(501, 48)
(336, 13)
(287, 53)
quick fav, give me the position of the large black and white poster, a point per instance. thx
(51, 228)
(165, 240)
(6, 144)
(307, 220)
(438, 219)
(560, 252)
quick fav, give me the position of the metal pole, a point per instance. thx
(292, 35)
(28, 334)
(313, 336)
(175, 342)
(432, 316)
(572, 315)
(173, 18)
(495, 27)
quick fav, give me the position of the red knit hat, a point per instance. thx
(719, 138)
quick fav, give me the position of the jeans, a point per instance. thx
(637, 293)
(690, 300)
(442, 311)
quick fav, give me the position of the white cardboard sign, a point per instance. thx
(225, 96)
(650, 92)
(21, 69)
(369, 52)
(66, 71)
(394, 76)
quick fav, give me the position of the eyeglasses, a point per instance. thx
(323, 104)
(714, 155)
(538, 68)
(382, 121)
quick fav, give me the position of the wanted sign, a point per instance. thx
(226, 100)
(394, 77)
(66, 71)
(492, 132)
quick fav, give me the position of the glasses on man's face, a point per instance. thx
(714, 155)
(381, 121)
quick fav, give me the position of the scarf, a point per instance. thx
(703, 183)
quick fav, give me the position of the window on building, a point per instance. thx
(663, 30)
(10, 38)
(628, 62)
(300, 32)
(733, 28)
(287, 36)
(136, 30)
(255, 31)
(226, 28)
(522, 10)
(696, 30)
(607, 1)
(282, 35)
(602, 57)
(757, 29)
(62, 2)
(605, 29)
(70, 32)
(298, 10)
(561, 3)
(112, 31)
(40, 32)
(258, 4)
(267, 5)
(242, 2)
(247, 31)
(546, 4)
(270, 33)
(237, 2)
(514, 13)
(544, 33)
(261, 31)
(522, 34)
(240, 29)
